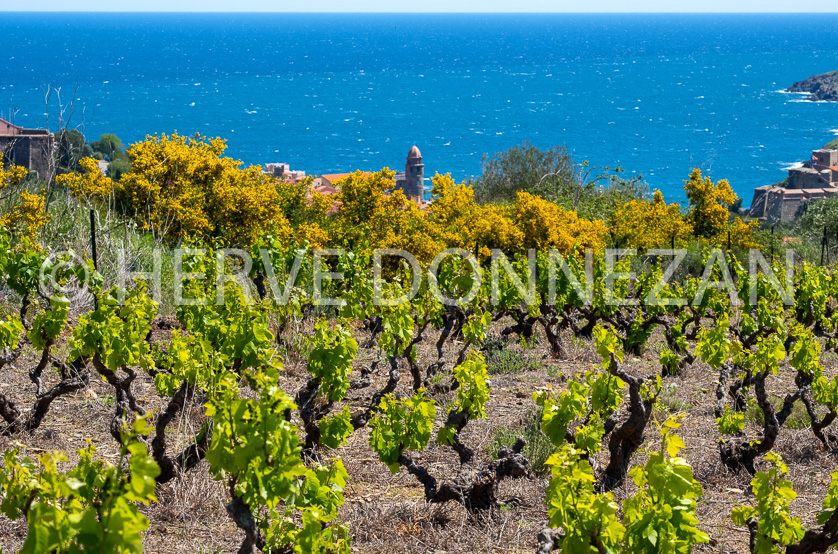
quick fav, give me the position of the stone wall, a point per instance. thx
(779, 204)
(33, 150)
(808, 178)
(760, 202)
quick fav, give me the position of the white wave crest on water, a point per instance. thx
(783, 91)
(787, 166)
(834, 131)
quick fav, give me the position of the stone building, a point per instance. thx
(818, 178)
(412, 182)
(284, 171)
(30, 148)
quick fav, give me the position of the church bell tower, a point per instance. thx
(414, 175)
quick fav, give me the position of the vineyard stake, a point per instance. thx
(93, 239)
(823, 243)
(93, 251)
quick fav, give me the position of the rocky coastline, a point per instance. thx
(821, 88)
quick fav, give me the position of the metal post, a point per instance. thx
(93, 239)
(93, 252)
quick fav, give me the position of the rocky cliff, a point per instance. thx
(820, 87)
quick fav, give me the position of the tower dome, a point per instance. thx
(414, 152)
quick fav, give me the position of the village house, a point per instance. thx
(29, 148)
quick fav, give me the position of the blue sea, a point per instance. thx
(654, 94)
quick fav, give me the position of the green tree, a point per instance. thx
(118, 167)
(109, 145)
(819, 214)
(599, 202)
(549, 173)
(553, 175)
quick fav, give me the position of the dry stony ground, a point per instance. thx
(387, 513)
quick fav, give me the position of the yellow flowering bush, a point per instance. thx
(709, 204)
(365, 208)
(741, 235)
(91, 185)
(243, 205)
(318, 207)
(314, 234)
(181, 187)
(491, 226)
(453, 205)
(12, 175)
(373, 215)
(710, 212)
(649, 224)
(547, 225)
(184, 187)
(26, 218)
(413, 231)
